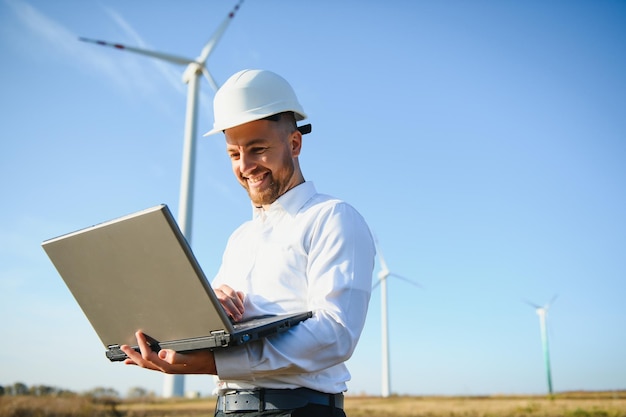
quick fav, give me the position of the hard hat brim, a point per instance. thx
(304, 129)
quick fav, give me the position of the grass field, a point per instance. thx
(611, 404)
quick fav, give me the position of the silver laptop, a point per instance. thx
(137, 272)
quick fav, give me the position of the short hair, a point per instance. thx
(288, 119)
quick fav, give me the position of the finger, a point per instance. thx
(234, 297)
(146, 357)
(231, 302)
(237, 301)
(144, 346)
(232, 311)
(172, 357)
(129, 361)
(134, 357)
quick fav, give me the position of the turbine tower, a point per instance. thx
(383, 274)
(542, 312)
(174, 385)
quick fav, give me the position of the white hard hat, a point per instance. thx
(251, 95)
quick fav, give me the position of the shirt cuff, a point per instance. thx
(233, 364)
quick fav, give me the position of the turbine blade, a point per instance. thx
(212, 42)
(376, 285)
(210, 78)
(160, 55)
(547, 306)
(531, 304)
(409, 280)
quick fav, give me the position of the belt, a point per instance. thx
(275, 399)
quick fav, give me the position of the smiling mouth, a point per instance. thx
(256, 180)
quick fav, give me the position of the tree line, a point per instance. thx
(22, 389)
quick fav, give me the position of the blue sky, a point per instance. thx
(483, 141)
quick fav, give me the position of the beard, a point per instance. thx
(279, 184)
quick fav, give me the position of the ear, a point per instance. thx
(295, 141)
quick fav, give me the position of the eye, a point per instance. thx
(258, 150)
(233, 155)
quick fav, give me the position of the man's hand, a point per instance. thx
(231, 300)
(169, 361)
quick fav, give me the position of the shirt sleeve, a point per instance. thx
(339, 274)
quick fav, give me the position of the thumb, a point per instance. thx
(168, 356)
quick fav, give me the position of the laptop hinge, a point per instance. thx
(115, 354)
(221, 338)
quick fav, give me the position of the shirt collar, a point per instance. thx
(291, 202)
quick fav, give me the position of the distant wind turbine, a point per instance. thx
(542, 312)
(175, 384)
(383, 274)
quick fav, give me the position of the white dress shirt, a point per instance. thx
(308, 251)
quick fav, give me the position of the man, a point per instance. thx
(301, 251)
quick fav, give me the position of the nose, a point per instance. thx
(247, 163)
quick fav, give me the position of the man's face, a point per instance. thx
(264, 159)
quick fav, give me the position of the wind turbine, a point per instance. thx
(542, 312)
(175, 384)
(383, 274)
